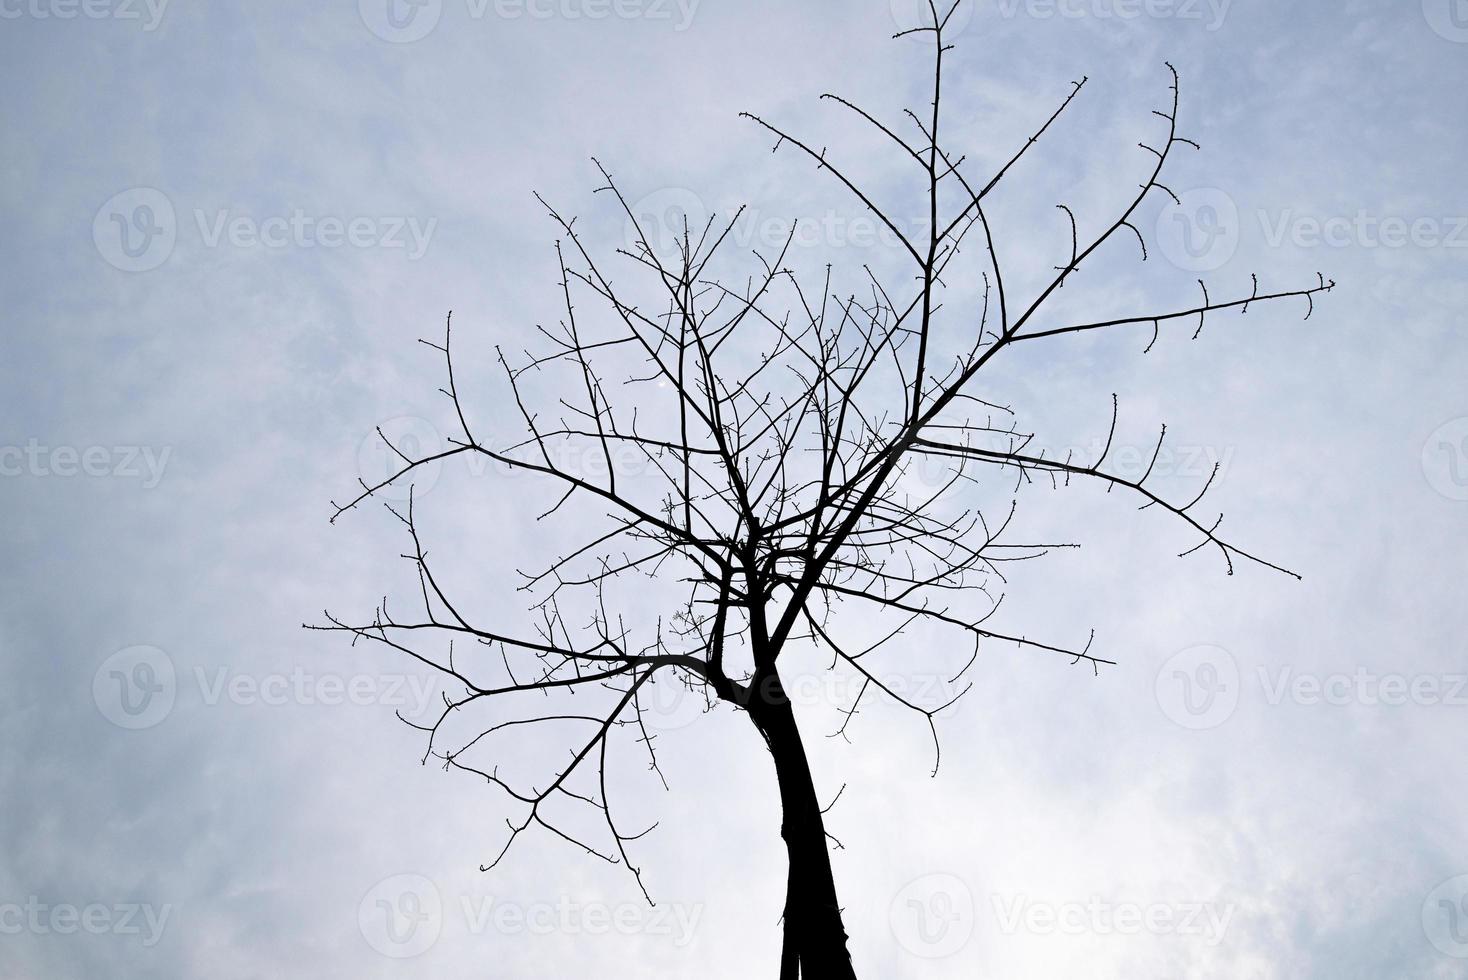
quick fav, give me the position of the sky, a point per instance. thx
(227, 226)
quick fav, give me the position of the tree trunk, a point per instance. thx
(815, 939)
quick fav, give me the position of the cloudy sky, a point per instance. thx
(228, 224)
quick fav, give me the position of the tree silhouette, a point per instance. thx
(771, 488)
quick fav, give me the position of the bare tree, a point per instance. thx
(772, 488)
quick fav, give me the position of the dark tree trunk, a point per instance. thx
(815, 939)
